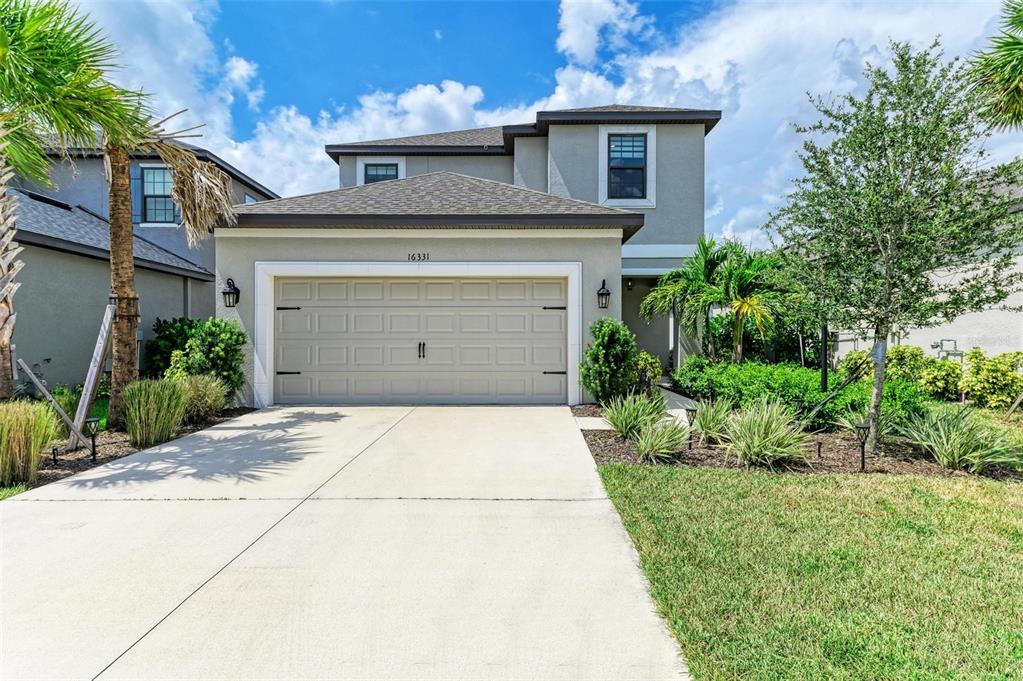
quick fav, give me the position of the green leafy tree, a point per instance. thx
(216, 347)
(998, 71)
(745, 288)
(899, 219)
(608, 368)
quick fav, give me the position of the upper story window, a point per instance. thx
(249, 198)
(157, 204)
(626, 166)
(378, 172)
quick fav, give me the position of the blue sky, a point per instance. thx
(276, 81)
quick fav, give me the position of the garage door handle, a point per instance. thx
(289, 308)
(561, 373)
(288, 373)
(554, 307)
(422, 350)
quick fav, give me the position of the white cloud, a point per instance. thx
(754, 61)
(585, 24)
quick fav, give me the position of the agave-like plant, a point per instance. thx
(765, 434)
(657, 441)
(886, 425)
(627, 415)
(711, 420)
(961, 439)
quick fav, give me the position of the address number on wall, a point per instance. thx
(418, 257)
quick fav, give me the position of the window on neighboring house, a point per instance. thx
(626, 166)
(378, 172)
(250, 198)
(157, 204)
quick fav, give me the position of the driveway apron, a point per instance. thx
(333, 543)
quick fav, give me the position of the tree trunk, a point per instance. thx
(737, 326)
(9, 267)
(711, 350)
(122, 283)
(878, 353)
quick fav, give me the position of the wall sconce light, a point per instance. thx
(628, 284)
(231, 294)
(603, 295)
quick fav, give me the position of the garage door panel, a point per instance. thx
(360, 341)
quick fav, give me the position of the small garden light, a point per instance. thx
(603, 295)
(691, 416)
(862, 431)
(90, 427)
(231, 294)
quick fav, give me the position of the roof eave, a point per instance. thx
(335, 151)
(708, 117)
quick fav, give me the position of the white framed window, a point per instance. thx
(369, 169)
(627, 175)
(157, 205)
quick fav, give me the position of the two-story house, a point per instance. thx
(466, 266)
(66, 280)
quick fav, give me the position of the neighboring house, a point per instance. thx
(465, 267)
(649, 160)
(66, 280)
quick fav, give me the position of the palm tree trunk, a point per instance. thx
(9, 267)
(879, 352)
(737, 326)
(122, 282)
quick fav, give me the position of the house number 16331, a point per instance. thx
(418, 257)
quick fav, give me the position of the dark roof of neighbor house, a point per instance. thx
(204, 154)
(440, 199)
(50, 223)
(500, 140)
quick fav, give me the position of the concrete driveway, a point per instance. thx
(329, 543)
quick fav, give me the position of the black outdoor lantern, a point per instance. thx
(90, 428)
(603, 295)
(231, 294)
(862, 431)
(691, 416)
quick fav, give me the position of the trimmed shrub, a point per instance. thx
(169, 335)
(652, 365)
(993, 382)
(216, 347)
(746, 383)
(940, 378)
(26, 428)
(711, 420)
(626, 415)
(207, 397)
(765, 433)
(609, 365)
(960, 438)
(656, 442)
(154, 409)
(850, 361)
(902, 363)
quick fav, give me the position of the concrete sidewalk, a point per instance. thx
(316, 542)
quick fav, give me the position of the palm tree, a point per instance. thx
(683, 292)
(998, 71)
(53, 95)
(203, 195)
(744, 287)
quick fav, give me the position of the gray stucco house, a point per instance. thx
(463, 267)
(66, 280)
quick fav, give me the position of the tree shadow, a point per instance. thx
(245, 449)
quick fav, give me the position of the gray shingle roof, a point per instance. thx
(45, 221)
(477, 137)
(617, 108)
(441, 199)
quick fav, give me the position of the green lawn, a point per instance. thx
(787, 576)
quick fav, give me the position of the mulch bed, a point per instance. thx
(840, 453)
(587, 410)
(110, 446)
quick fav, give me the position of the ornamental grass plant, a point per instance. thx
(26, 428)
(154, 410)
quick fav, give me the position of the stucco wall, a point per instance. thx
(237, 255)
(572, 162)
(654, 337)
(530, 163)
(60, 305)
(79, 182)
(488, 167)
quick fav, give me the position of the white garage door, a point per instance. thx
(427, 341)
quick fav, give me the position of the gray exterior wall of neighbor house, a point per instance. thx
(530, 170)
(61, 301)
(488, 167)
(237, 255)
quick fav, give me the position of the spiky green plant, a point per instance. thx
(626, 415)
(657, 441)
(765, 434)
(998, 71)
(961, 439)
(886, 425)
(154, 409)
(26, 428)
(711, 420)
